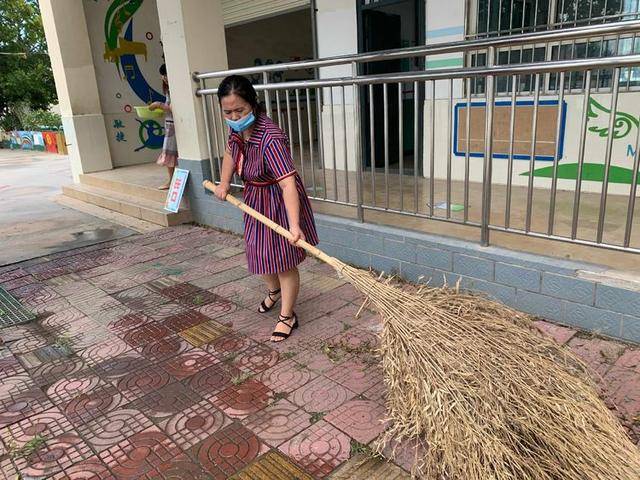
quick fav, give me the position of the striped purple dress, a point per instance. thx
(262, 161)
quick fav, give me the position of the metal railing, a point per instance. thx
(406, 143)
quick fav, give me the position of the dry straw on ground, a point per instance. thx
(486, 397)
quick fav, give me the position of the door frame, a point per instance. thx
(422, 40)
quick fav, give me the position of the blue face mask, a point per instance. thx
(242, 124)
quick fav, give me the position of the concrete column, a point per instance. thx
(65, 28)
(193, 40)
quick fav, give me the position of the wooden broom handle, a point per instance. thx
(316, 252)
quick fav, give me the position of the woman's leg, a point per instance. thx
(168, 184)
(273, 284)
(290, 285)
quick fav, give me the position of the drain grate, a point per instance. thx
(11, 311)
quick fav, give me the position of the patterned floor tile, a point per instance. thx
(48, 424)
(212, 380)
(230, 344)
(140, 454)
(272, 465)
(239, 401)
(164, 403)
(199, 299)
(108, 315)
(319, 449)
(87, 407)
(55, 456)
(60, 319)
(8, 470)
(285, 377)
(28, 344)
(51, 372)
(356, 376)
(104, 351)
(377, 393)
(256, 359)
(217, 308)
(360, 419)
(114, 367)
(10, 366)
(145, 380)
(321, 395)
(70, 387)
(91, 469)
(184, 320)
(161, 312)
(278, 422)
(165, 349)
(194, 424)
(204, 333)
(316, 361)
(15, 386)
(228, 451)
(113, 428)
(25, 405)
(128, 322)
(186, 364)
(145, 334)
(46, 354)
(178, 290)
(178, 468)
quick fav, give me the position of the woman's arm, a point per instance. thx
(225, 176)
(163, 106)
(292, 205)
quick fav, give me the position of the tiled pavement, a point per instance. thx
(148, 360)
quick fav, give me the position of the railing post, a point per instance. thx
(267, 96)
(358, 140)
(488, 152)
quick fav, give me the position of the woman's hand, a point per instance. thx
(155, 105)
(222, 190)
(297, 234)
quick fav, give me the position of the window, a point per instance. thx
(512, 17)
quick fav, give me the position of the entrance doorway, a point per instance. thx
(384, 25)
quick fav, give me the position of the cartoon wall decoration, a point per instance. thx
(40, 141)
(127, 51)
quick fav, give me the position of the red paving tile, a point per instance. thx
(194, 424)
(165, 349)
(70, 387)
(186, 364)
(319, 449)
(217, 308)
(321, 395)
(360, 419)
(597, 353)
(91, 469)
(114, 427)
(239, 401)
(62, 318)
(49, 424)
(10, 366)
(160, 312)
(146, 334)
(54, 456)
(118, 366)
(228, 451)
(356, 376)
(213, 379)
(256, 359)
(87, 407)
(163, 403)
(560, 334)
(278, 422)
(139, 455)
(184, 320)
(104, 351)
(128, 322)
(51, 372)
(26, 405)
(8, 470)
(232, 343)
(145, 380)
(286, 376)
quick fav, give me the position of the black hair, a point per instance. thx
(165, 85)
(241, 86)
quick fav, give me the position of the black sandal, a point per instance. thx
(292, 327)
(263, 306)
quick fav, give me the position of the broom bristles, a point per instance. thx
(487, 397)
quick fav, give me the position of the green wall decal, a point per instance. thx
(590, 171)
(624, 122)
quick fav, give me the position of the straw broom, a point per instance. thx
(485, 396)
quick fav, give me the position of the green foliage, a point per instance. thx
(25, 70)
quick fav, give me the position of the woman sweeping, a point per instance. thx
(258, 150)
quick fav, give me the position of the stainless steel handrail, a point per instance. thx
(463, 46)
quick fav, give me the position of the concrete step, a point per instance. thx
(133, 206)
(125, 187)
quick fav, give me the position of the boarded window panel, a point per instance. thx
(545, 135)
